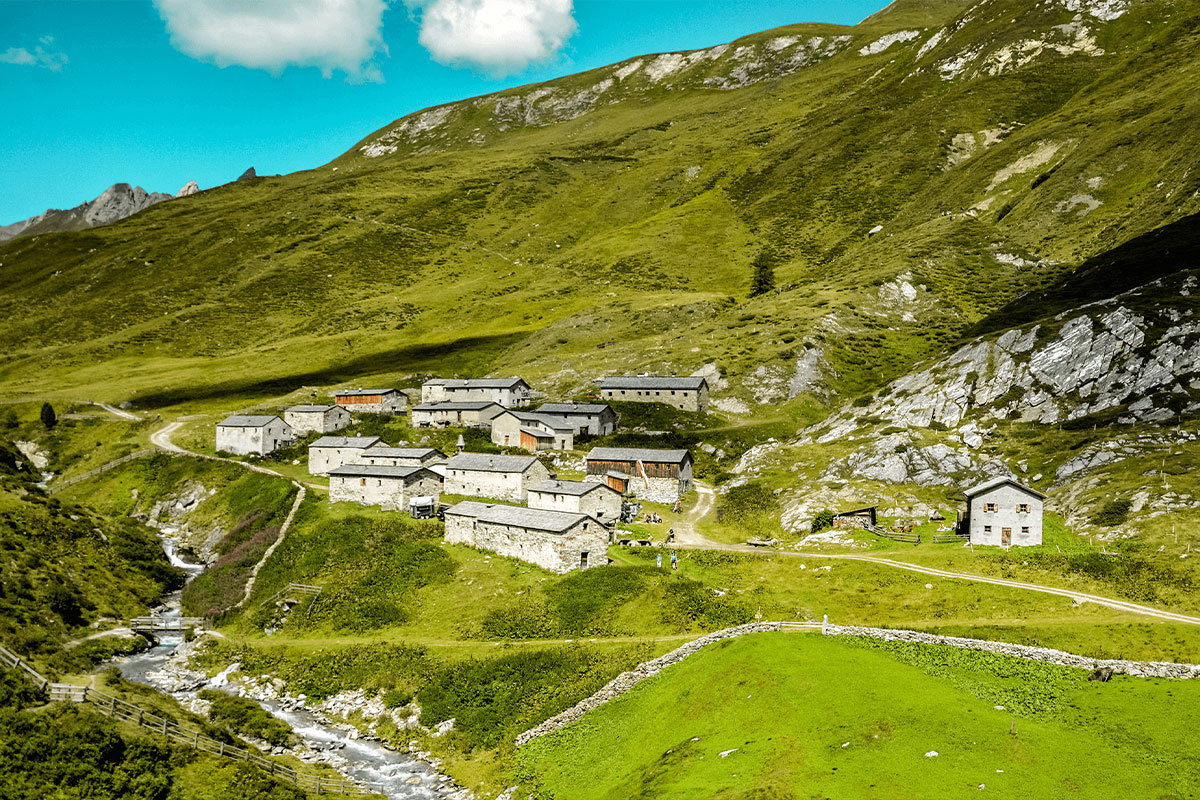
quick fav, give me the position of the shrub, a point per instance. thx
(823, 521)
(1114, 513)
(397, 698)
(48, 417)
(762, 275)
(244, 717)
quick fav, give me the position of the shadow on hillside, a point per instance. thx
(1146, 258)
(446, 357)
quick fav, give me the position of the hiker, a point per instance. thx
(671, 535)
(674, 561)
(659, 559)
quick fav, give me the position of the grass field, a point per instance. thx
(790, 715)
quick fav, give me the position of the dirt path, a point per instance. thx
(118, 412)
(685, 530)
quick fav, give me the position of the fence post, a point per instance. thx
(824, 624)
(318, 784)
(196, 741)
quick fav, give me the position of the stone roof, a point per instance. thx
(387, 451)
(537, 433)
(486, 462)
(376, 471)
(653, 382)
(455, 405)
(360, 392)
(558, 409)
(475, 383)
(247, 421)
(362, 442)
(638, 454)
(577, 488)
(553, 423)
(310, 409)
(994, 482)
(521, 517)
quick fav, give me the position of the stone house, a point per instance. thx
(382, 455)
(686, 394)
(1004, 512)
(865, 518)
(316, 419)
(331, 452)
(242, 435)
(597, 500)
(555, 540)
(372, 401)
(508, 392)
(660, 476)
(594, 419)
(446, 414)
(497, 477)
(387, 487)
(532, 431)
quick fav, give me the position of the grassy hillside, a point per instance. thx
(519, 231)
(774, 715)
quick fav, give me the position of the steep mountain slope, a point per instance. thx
(607, 221)
(116, 202)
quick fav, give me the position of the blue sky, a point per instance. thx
(160, 93)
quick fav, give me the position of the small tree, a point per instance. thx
(762, 277)
(49, 418)
(823, 521)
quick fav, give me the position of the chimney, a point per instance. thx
(462, 445)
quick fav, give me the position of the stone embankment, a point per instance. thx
(627, 680)
(1140, 669)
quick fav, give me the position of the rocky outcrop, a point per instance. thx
(248, 175)
(115, 203)
(892, 459)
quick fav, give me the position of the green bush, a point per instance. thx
(1114, 513)
(244, 717)
(823, 521)
(397, 698)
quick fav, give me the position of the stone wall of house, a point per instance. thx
(1141, 669)
(557, 552)
(627, 680)
(511, 486)
(390, 494)
(303, 422)
(323, 459)
(603, 505)
(246, 440)
(660, 490)
(391, 404)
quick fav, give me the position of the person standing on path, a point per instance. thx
(674, 561)
(660, 560)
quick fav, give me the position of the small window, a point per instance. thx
(1025, 530)
(990, 507)
(362, 481)
(987, 528)
(1023, 508)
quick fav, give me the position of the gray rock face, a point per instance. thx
(115, 203)
(248, 174)
(187, 189)
(891, 459)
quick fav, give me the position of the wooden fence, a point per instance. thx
(58, 487)
(299, 590)
(943, 538)
(895, 536)
(128, 712)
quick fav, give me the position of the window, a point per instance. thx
(362, 481)
(583, 560)
(987, 528)
(1023, 508)
(1025, 530)
(990, 507)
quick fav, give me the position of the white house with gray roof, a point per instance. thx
(494, 476)
(242, 435)
(331, 452)
(387, 456)
(555, 540)
(508, 392)
(578, 497)
(390, 488)
(661, 476)
(1004, 512)
(316, 419)
(475, 414)
(594, 419)
(686, 394)
(532, 431)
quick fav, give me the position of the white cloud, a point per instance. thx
(342, 35)
(40, 57)
(500, 36)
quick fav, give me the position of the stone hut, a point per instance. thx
(856, 518)
(242, 435)
(532, 431)
(594, 419)
(660, 476)
(555, 540)
(476, 414)
(1004, 512)
(383, 455)
(508, 392)
(598, 500)
(497, 477)
(316, 419)
(331, 452)
(686, 394)
(390, 488)
(373, 401)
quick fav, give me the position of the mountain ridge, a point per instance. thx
(115, 203)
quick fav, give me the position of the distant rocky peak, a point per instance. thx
(248, 174)
(189, 188)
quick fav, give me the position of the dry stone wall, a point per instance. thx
(627, 680)
(1140, 669)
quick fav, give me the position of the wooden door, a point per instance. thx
(583, 560)
(1006, 537)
